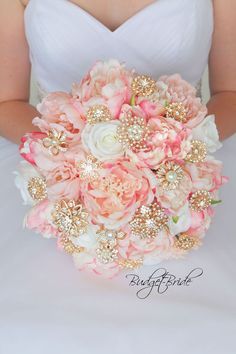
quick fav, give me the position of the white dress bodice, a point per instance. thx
(166, 37)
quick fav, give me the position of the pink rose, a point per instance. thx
(27, 146)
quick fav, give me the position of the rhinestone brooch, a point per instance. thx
(184, 242)
(133, 132)
(89, 168)
(148, 221)
(69, 246)
(97, 114)
(200, 200)
(198, 152)
(169, 175)
(177, 111)
(55, 142)
(37, 188)
(143, 85)
(70, 218)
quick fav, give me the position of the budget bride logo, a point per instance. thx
(160, 281)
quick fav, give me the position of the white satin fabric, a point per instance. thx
(46, 305)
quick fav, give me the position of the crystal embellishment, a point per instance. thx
(98, 113)
(143, 85)
(55, 142)
(37, 188)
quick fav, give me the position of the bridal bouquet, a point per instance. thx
(121, 173)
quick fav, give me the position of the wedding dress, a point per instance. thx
(46, 305)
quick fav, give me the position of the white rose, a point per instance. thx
(183, 221)
(207, 132)
(101, 141)
(24, 173)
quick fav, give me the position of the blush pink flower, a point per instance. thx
(206, 175)
(39, 219)
(168, 139)
(58, 110)
(28, 145)
(107, 83)
(122, 188)
(175, 89)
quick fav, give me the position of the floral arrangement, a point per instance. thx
(121, 172)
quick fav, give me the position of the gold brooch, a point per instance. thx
(177, 111)
(198, 152)
(200, 200)
(133, 132)
(70, 218)
(148, 221)
(169, 175)
(98, 113)
(143, 85)
(69, 247)
(130, 263)
(37, 188)
(88, 169)
(106, 252)
(184, 242)
(55, 142)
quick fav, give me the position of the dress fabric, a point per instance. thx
(46, 305)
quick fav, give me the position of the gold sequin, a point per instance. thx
(98, 113)
(37, 188)
(184, 242)
(133, 132)
(177, 111)
(70, 218)
(198, 152)
(200, 200)
(89, 168)
(55, 142)
(148, 221)
(169, 175)
(143, 85)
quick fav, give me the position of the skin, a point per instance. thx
(15, 111)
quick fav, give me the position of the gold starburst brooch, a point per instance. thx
(107, 249)
(70, 218)
(55, 142)
(200, 200)
(37, 188)
(169, 175)
(198, 152)
(98, 113)
(143, 85)
(133, 132)
(89, 168)
(177, 111)
(148, 221)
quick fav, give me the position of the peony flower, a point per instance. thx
(207, 132)
(180, 221)
(101, 140)
(174, 89)
(27, 146)
(206, 175)
(107, 83)
(39, 219)
(122, 188)
(168, 139)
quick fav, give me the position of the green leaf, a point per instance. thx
(132, 101)
(213, 202)
(175, 219)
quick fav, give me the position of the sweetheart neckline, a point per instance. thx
(122, 25)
